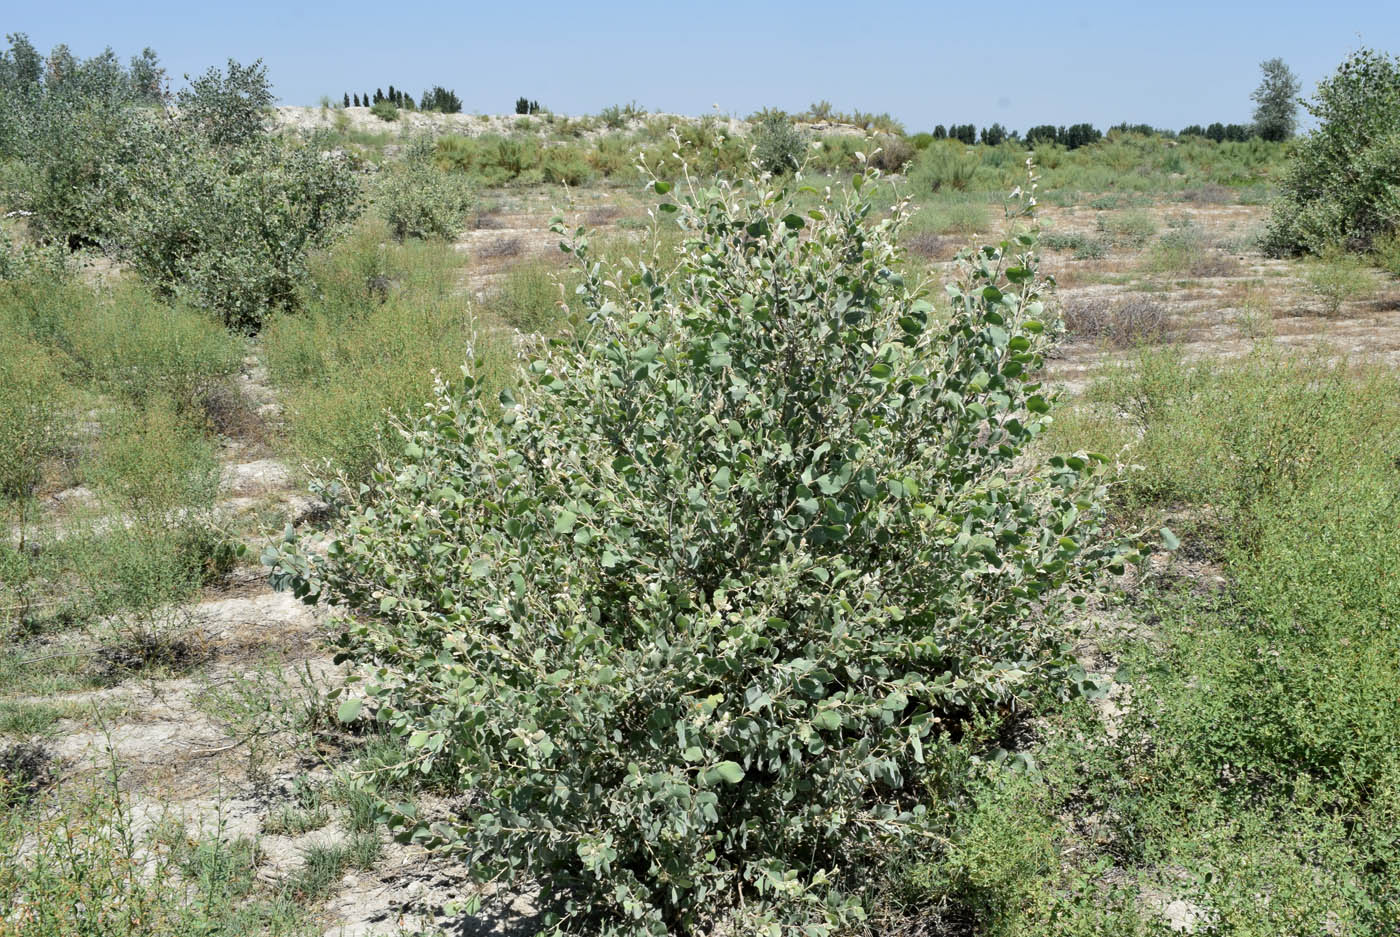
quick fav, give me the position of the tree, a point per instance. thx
(147, 77)
(940, 132)
(438, 98)
(356, 99)
(1276, 101)
(347, 99)
(1342, 184)
(378, 95)
(229, 108)
(994, 135)
(22, 66)
(364, 99)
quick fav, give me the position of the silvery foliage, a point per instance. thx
(686, 615)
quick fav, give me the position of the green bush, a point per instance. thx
(418, 199)
(1342, 184)
(778, 146)
(1337, 278)
(683, 611)
(945, 165)
(228, 229)
(385, 110)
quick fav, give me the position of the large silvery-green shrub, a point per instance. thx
(685, 616)
(1342, 186)
(228, 228)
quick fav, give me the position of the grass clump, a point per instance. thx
(1336, 278)
(1132, 228)
(383, 318)
(87, 869)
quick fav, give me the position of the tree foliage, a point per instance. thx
(1342, 186)
(1276, 101)
(689, 612)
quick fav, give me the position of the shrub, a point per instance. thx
(778, 146)
(1342, 184)
(945, 166)
(228, 109)
(420, 200)
(1124, 323)
(385, 110)
(894, 153)
(228, 229)
(379, 319)
(1336, 278)
(683, 614)
(1129, 228)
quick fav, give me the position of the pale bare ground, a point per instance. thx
(225, 745)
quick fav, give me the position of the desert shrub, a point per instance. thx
(32, 414)
(892, 154)
(1342, 183)
(228, 229)
(1386, 254)
(417, 199)
(89, 866)
(1336, 278)
(1121, 322)
(684, 614)
(778, 146)
(945, 166)
(385, 110)
(1130, 228)
(529, 298)
(565, 165)
(954, 214)
(1184, 251)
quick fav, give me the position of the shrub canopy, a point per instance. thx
(1342, 187)
(688, 613)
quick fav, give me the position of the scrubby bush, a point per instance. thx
(1342, 185)
(385, 110)
(779, 147)
(228, 228)
(945, 166)
(683, 611)
(420, 200)
(228, 108)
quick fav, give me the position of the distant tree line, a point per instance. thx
(436, 98)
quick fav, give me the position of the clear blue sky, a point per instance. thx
(1168, 64)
